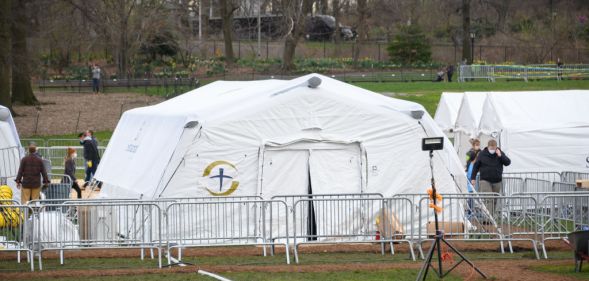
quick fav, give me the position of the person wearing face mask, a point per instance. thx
(70, 170)
(489, 163)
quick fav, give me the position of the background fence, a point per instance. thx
(522, 72)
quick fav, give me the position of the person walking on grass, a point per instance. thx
(70, 170)
(29, 176)
(96, 73)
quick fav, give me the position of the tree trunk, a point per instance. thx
(21, 77)
(227, 10)
(123, 25)
(362, 29)
(337, 33)
(5, 54)
(292, 38)
(323, 7)
(466, 48)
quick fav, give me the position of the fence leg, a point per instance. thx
(61, 257)
(142, 253)
(40, 260)
(151, 253)
(30, 256)
(18, 257)
(544, 250)
(411, 252)
(159, 257)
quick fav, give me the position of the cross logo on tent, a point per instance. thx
(222, 176)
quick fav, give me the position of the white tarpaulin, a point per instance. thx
(10, 151)
(542, 130)
(447, 111)
(467, 122)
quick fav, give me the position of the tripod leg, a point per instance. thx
(464, 259)
(427, 262)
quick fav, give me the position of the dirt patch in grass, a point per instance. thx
(65, 113)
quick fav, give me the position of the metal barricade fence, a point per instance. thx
(291, 199)
(9, 162)
(13, 229)
(512, 185)
(548, 176)
(91, 225)
(536, 185)
(572, 177)
(469, 72)
(352, 220)
(38, 142)
(561, 214)
(484, 219)
(59, 187)
(71, 142)
(57, 154)
(225, 223)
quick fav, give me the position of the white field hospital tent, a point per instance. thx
(274, 137)
(540, 131)
(447, 112)
(10, 151)
(467, 123)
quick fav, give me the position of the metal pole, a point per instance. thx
(472, 49)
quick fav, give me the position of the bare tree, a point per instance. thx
(337, 33)
(466, 47)
(21, 77)
(362, 28)
(295, 13)
(5, 54)
(125, 23)
(228, 7)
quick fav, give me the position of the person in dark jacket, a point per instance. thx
(28, 179)
(91, 156)
(489, 163)
(70, 170)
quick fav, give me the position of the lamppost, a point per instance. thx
(472, 36)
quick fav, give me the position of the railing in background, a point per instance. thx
(9, 162)
(524, 72)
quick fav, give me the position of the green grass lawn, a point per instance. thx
(428, 93)
(564, 270)
(394, 274)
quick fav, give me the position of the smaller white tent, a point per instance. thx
(10, 150)
(447, 112)
(540, 131)
(467, 122)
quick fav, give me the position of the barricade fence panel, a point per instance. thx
(352, 220)
(14, 229)
(572, 177)
(92, 225)
(59, 187)
(201, 223)
(561, 214)
(57, 154)
(548, 176)
(482, 218)
(512, 185)
(524, 72)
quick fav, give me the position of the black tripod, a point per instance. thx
(437, 244)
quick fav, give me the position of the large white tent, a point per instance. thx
(542, 130)
(10, 150)
(447, 112)
(467, 122)
(273, 137)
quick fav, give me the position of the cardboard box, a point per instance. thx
(449, 228)
(583, 184)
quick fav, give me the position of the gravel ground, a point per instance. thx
(66, 113)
